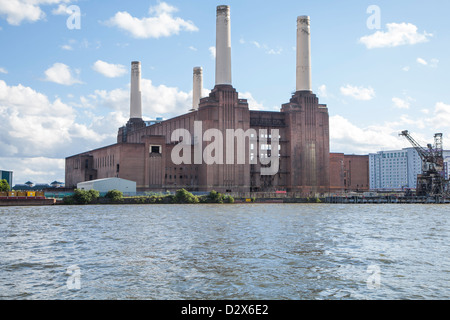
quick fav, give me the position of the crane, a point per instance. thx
(432, 181)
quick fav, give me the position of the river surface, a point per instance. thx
(232, 252)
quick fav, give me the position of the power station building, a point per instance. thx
(220, 144)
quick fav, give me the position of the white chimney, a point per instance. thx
(303, 54)
(197, 89)
(223, 46)
(136, 95)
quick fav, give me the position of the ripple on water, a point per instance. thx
(225, 252)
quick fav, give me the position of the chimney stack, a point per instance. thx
(303, 54)
(223, 46)
(136, 95)
(198, 86)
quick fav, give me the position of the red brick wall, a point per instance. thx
(349, 172)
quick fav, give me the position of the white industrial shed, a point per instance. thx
(104, 185)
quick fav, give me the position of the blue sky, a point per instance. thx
(64, 91)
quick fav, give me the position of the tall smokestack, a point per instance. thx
(303, 54)
(197, 89)
(223, 46)
(136, 95)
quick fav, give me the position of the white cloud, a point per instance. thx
(401, 103)
(160, 24)
(323, 91)
(66, 47)
(256, 44)
(358, 93)
(421, 61)
(264, 47)
(109, 70)
(61, 74)
(17, 11)
(62, 9)
(3, 70)
(275, 52)
(252, 103)
(34, 126)
(349, 138)
(39, 170)
(397, 34)
(212, 51)
(406, 69)
(193, 48)
(433, 63)
(157, 101)
(441, 116)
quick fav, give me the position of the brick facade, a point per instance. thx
(143, 153)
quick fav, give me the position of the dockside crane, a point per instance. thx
(432, 181)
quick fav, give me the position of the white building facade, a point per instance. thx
(397, 170)
(127, 187)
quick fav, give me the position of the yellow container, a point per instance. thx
(21, 194)
(12, 194)
(31, 194)
(248, 200)
(40, 194)
(3, 194)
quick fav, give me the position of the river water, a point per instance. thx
(232, 252)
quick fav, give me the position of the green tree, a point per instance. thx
(115, 195)
(184, 196)
(85, 197)
(4, 186)
(217, 197)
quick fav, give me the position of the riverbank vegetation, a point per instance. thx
(182, 196)
(4, 186)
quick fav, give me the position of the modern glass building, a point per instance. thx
(8, 176)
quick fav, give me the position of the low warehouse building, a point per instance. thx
(104, 185)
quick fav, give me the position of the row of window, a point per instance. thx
(169, 176)
(103, 162)
(394, 155)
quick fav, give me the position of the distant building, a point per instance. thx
(349, 173)
(105, 185)
(8, 176)
(447, 164)
(31, 187)
(397, 170)
(57, 184)
(29, 184)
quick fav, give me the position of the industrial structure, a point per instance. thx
(432, 181)
(144, 151)
(104, 185)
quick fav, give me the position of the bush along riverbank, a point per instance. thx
(83, 197)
